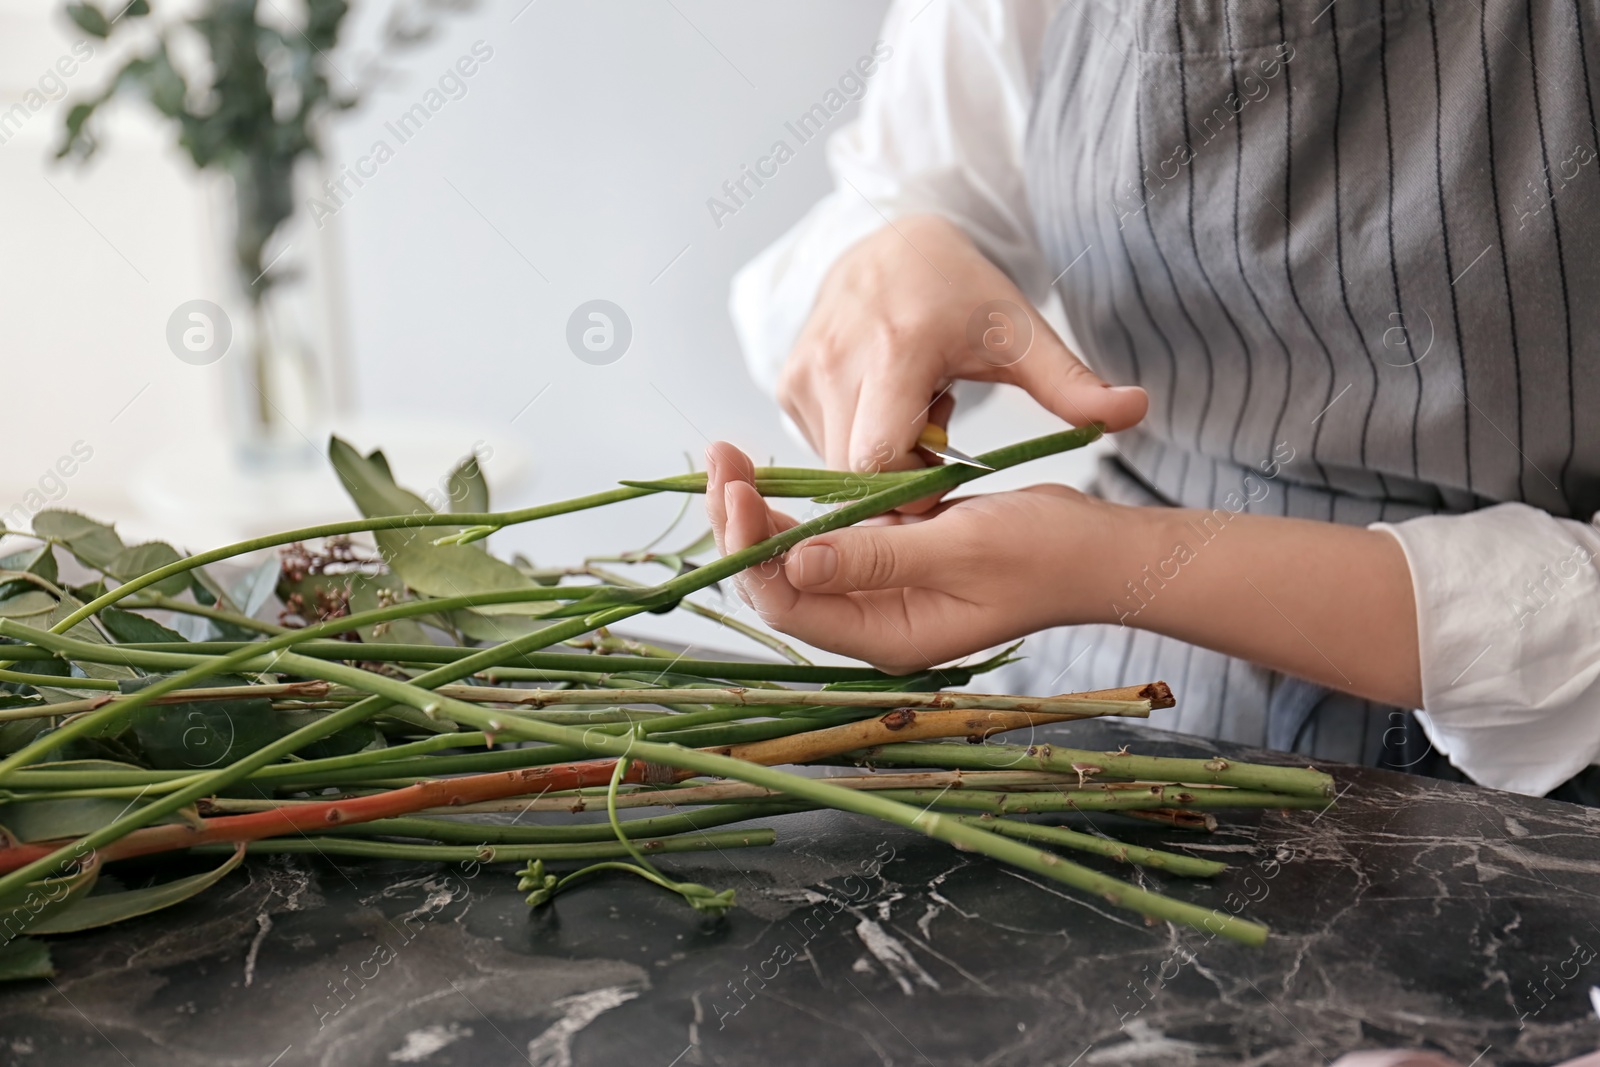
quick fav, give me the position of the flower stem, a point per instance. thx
(1218, 771)
(1111, 799)
(717, 840)
(933, 824)
(1100, 846)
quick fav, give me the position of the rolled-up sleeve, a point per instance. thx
(1508, 626)
(941, 131)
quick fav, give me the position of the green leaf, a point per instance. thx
(25, 958)
(93, 543)
(78, 140)
(499, 628)
(370, 592)
(88, 912)
(90, 20)
(426, 568)
(469, 491)
(14, 736)
(371, 486)
(39, 902)
(30, 602)
(252, 591)
(208, 592)
(380, 461)
(456, 570)
(85, 631)
(344, 743)
(133, 562)
(39, 561)
(137, 10)
(50, 820)
(132, 628)
(203, 733)
(165, 85)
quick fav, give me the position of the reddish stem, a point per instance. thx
(300, 818)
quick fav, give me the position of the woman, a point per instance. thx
(1329, 272)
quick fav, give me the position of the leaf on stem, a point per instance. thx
(94, 544)
(468, 489)
(129, 627)
(427, 568)
(94, 910)
(27, 603)
(38, 903)
(40, 562)
(253, 590)
(90, 19)
(139, 560)
(24, 958)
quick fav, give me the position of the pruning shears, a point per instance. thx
(935, 440)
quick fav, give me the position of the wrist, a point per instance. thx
(1105, 565)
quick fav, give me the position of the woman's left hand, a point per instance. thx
(915, 592)
(1328, 603)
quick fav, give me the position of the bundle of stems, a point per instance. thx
(400, 690)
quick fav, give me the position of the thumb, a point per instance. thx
(862, 558)
(1055, 377)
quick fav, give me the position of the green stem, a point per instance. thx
(927, 482)
(933, 824)
(536, 664)
(717, 840)
(1154, 796)
(1216, 771)
(619, 607)
(107, 717)
(1100, 846)
(158, 602)
(760, 637)
(454, 831)
(616, 605)
(335, 529)
(56, 681)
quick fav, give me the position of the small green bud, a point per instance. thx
(533, 878)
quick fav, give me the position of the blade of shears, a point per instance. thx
(935, 440)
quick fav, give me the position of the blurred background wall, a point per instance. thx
(573, 164)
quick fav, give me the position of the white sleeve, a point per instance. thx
(941, 131)
(1508, 626)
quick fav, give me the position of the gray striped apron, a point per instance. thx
(1362, 234)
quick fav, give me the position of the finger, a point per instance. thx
(837, 409)
(939, 412)
(794, 396)
(890, 412)
(1055, 377)
(867, 558)
(724, 463)
(749, 522)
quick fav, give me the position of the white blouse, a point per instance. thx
(1508, 598)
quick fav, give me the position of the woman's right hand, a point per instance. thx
(890, 332)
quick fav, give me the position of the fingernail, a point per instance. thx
(1121, 389)
(815, 565)
(712, 464)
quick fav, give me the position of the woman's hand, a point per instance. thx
(917, 592)
(890, 332)
(1322, 601)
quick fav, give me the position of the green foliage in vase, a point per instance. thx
(252, 109)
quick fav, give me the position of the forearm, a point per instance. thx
(1329, 603)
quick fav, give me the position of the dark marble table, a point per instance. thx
(1416, 913)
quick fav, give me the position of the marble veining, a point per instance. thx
(1415, 913)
